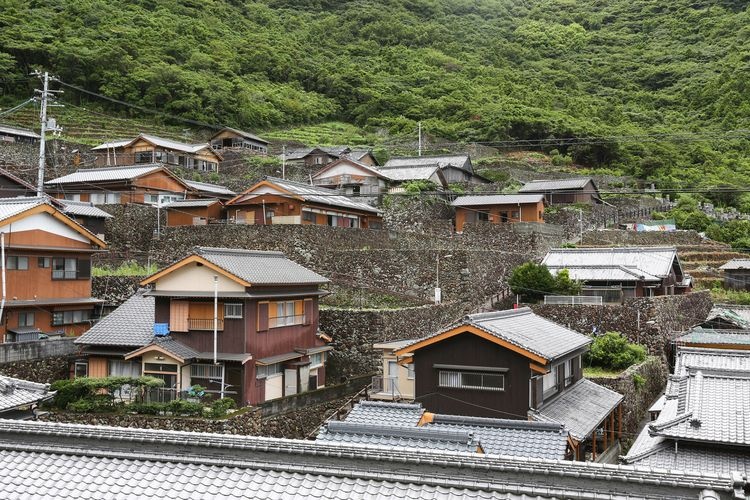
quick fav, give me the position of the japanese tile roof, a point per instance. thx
(112, 144)
(716, 337)
(9, 129)
(650, 262)
(10, 207)
(367, 168)
(496, 199)
(209, 188)
(241, 133)
(174, 145)
(459, 161)
(398, 436)
(581, 408)
(734, 314)
(736, 265)
(519, 438)
(191, 203)
(17, 180)
(690, 457)
(395, 414)
(83, 208)
(522, 328)
(131, 324)
(358, 154)
(396, 344)
(697, 358)
(174, 347)
(102, 174)
(554, 185)
(409, 173)
(260, 267)
(15, 392)
(314, 194)
(51, 460)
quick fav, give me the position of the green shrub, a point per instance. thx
(147, 408)
(182, 407)
(220, 407)
(67, 392)
(638, 381)
(612, 350)
(531, 280)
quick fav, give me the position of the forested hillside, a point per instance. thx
(470, 70)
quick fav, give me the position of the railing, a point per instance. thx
(573, 300)
(205, 324)
(385, 385)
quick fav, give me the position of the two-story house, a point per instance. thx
(498, 209)
(242, 323)
(232, 138)
(48, 270)
(517, 365)
(146, 149)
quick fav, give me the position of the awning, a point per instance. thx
(52, 302)
(279, 358)
(313, 350)
(226, 356)
(24, 329)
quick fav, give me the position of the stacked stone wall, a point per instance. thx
(619, 237)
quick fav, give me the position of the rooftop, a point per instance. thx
(50, 460)
(126, 172)
(626, 263)
(83, 209)
(736, 265)
(715, 337)
(9, 129)
(555, 185)
(131, 324)
(496, 199)
(461, 161)
(204, 202)
(241, 133)
(15, 393)
(209, 188)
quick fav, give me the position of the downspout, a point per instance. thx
(216, 316)
(2, 265)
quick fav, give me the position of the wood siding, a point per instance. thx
(185, 216)
(529, 212)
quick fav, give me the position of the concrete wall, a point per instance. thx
(24, 351)
(305, 400)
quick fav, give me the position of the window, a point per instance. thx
(161, 156)
(308, 216)
(160, 367)
(410, 371)
(17, 262)
(70, 269)
(515, 214)
(471, 380)
(483, 216)
(81, 369)
(26, 319)
(200, 370)
(105, 198)
(44, 262)
(73, 197)
(144, 157)
(119, 368)
(70, 317)
(549, 383)
(265, 371)
(233, 310)
(503, 216)
(570, 367)
(317, 359)
(286, 313)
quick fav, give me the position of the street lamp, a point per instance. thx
(438, 292)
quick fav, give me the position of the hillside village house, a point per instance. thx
(231, 138)
(280, 201)
(498, 209)
(9, 133)
(618, 273)
(352, 178)
(268, 343)
(397, 380)
(564, 191)
(737, 274)
(11, 186)
(321, 156)
(206, 190)
(515, 365)
(453, 168)
(148, 149)
(48, 269)
(194, 212)
(152, 184)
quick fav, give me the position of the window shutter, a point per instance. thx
(262, 316)
(178, 315)
(308, 311)
(84, 268)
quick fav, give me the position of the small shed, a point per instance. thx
(737, 274)
(193, 212)
(564, 191)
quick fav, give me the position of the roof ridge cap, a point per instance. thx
(506, 313)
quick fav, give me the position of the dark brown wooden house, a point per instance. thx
(268, 343)
(515, 364)
(564, 191)
(737, 274)
(12, 186)
(232, 138)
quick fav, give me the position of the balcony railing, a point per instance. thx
(385, 386)
(204, 324)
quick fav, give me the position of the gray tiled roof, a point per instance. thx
(241, 133)
(9, 129)
(554, 185)
(49, 460)
(399, 436)
(409, 173)
(127, 172)
(581, 408)
(17, 180)
(131, 324)
(174, 145)
(698, 358)
(260, 267)
(736, 265)
(518, 438)
(394, 414)
(15, 392)
(175, 347)
(733, 314)
(315, 194)
(691, 458)
(209, 188)
(459, 161)
(522, 328)
(496, 199)
(10, 207)
(83, 208)
(646, 261)
(191, 203)
(714, 336)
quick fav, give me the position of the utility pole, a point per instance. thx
(283, 161)
(419, 133)
(46, 94)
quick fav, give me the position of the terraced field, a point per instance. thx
(702, 262)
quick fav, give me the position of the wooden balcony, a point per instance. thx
(205, 324)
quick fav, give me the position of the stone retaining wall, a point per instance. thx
(44, 370)
(640, 385)
(619, 237)
(651, 322)
(354, 331)
(114, 290)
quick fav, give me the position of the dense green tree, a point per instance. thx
(532, 281)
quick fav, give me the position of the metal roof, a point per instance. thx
(717, 337)
(174, 145)
(736, 265)
(209, 188)
(581, 408)
(733, 314)
(127, 172)
(131, 324)
(112, 144)
(522, 328)
(603, 273)
(646, 261)
(15, 392)
(710, 359)
(51, 460)
(462, 162)
(83, 208)
(496, 199)
(555, 185)
(241, 133)
(205, 202)
(309, 193)
(409, 173)
(259, 267)
(398, 414)
(8, 129)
